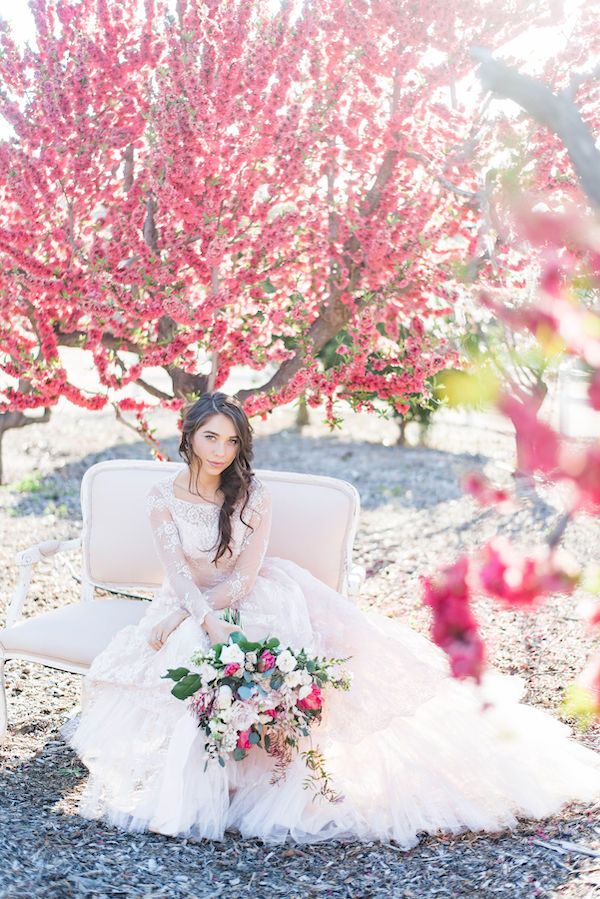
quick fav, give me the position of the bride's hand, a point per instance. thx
(218, 630)
(161, 631)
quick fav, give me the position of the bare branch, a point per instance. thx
(557, 112)
(140, 431)
(153, 391)
(128, 168)
(77, 338)
(149, 228)
(449, 185)
(17, 419)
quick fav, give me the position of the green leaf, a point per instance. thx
(267, 286)
(579, 704)
(254, 738)
(176, 673)
(267, 742)
(239, 754)
(237, 637)
(272, 643)
(221, 761)
(591, 580)
(187, 686)
(276, 681)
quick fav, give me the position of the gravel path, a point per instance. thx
(414, 516)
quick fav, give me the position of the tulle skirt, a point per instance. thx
(408, 749)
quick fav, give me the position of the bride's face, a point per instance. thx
(215, 443)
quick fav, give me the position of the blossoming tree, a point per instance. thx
(237, 177)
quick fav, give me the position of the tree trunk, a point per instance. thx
(302, 418)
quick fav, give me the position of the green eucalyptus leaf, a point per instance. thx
(176, 673)
(187, 686)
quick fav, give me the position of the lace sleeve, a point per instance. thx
(170, 552)
(231, 591)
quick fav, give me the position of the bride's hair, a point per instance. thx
(237, 477)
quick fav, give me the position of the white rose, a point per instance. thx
(293, 679)
(286, 661)
(245, 716)
(232, 655)
(216, 726)
(304, 691)
(229, 742)
(252, 658)
(224, 697)
(207, 672)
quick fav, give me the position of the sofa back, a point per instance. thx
(314, 523)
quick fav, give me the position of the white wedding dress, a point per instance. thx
(410, 749)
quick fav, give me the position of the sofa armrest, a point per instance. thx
(26, 559)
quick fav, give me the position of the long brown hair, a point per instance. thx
(237, 477)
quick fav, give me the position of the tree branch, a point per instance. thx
(557, 112)
(153, 391)
(17, 419)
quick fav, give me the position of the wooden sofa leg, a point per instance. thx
(3, 711)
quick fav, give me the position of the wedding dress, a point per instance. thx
(409, 749)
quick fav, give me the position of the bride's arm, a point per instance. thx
(232, 590)
(170, 551)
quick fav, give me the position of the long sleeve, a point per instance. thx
(172, 557)
(233, 589)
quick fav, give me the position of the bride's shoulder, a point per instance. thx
(158, 495)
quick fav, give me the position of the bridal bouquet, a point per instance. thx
(246, 694)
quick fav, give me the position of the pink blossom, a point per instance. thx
(231, 669)
(480, 488)
(243, 740)
(266, 661)
(454, 627)
(313, 701)
(522, 580)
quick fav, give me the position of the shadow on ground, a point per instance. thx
(411, 477)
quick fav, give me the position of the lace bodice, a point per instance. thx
(186, 537)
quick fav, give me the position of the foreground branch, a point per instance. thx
(557, 112)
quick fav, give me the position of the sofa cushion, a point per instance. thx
(314, 521)
(73, 634)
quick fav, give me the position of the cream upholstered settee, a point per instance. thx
(314, 522)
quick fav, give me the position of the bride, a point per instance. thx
(409, 748)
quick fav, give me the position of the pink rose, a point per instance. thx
(243, 740)
(313, 701)
(266, 661)
(232, 668)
